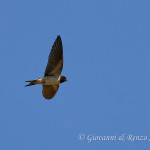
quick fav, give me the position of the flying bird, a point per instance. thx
(52, 76)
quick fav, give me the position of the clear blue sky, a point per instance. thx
(107, 63)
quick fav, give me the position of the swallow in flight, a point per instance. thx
(52, 76)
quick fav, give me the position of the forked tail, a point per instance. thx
(32, 82)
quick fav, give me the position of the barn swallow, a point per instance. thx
(52, 76)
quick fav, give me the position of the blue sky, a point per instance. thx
(106, 61)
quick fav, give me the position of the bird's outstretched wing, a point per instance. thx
(55, 60)
(49, 91)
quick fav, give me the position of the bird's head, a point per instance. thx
(63, 79)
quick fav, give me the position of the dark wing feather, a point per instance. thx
(55, 60)
(49, 91)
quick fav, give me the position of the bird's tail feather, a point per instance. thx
(32, 82)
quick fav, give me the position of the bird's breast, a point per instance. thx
(50, 80)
